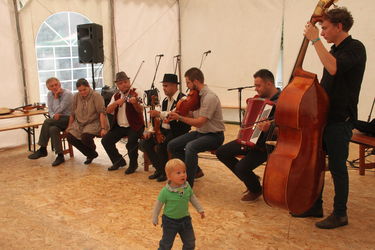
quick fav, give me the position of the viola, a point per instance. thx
(294, 174)
(190, 103)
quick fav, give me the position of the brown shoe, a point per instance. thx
(250, 196)
(199, 174)
(332, 221)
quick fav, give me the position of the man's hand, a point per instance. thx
(311, 31)
(202, 215)
(133, 100)
(173, 116)
(120, 101)
(103, 132)
(56, 117)
(147, 135)
(56, 94)
(264, 126)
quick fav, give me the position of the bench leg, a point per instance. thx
(362, 165)
(146, 161)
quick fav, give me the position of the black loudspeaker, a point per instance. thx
(90, 43)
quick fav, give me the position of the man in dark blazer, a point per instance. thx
(158, 153)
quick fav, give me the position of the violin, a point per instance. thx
(156, 121)
(132, 93)
(25, 108)
(189, 103)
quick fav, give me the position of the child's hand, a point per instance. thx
(202, 215)
(155, 222)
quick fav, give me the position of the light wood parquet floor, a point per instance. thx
(74, 206)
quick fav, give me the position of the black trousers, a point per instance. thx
(243, 168)
(336, 139)
(114, 135)
(158, 153)
(86, 145)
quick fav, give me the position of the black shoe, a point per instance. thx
(312, 212)
(42, 152)
(161, 178)
(199, 174)
(117, 165)
(59, 159)
(154, 175)
(89, 159)
(332, 221)
(131, 169)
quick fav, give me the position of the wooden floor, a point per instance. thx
(74, 206)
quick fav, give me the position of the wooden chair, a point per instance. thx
(364, 142)
(66, 146)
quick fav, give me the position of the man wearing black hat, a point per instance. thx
(128, 121)
(158, 152)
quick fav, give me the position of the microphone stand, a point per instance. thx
(178, 65)
(153, 91)
(203, 56)
(372, 107)
(240, 99)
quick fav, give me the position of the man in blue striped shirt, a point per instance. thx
(59, 102)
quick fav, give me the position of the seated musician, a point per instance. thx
(158, 153)
(87, 120)
(128, 121)
(253, 156)
(208, 120)
(59, 103)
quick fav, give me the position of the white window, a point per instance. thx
(57, 53)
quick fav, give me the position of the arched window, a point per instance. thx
(57, 53)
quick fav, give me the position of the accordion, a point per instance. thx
(258, 110)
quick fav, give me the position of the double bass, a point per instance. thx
(294, 174)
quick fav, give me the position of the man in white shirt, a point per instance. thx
(128, 121)
(157, 152)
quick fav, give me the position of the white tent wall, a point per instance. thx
(244, 36)
(145, 29)
(297, 13)
(11, 94)
(36, 12)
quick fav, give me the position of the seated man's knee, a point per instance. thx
(54, 130)
(87, 138)
(70, 138)
(220, 153)
(171, 146)
(48, 121)
(190, 148)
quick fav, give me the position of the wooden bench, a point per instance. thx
(364, 142)
(29, 127)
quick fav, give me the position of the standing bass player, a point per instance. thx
(344, 66)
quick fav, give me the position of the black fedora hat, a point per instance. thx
(121, 76)
(172, 78)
